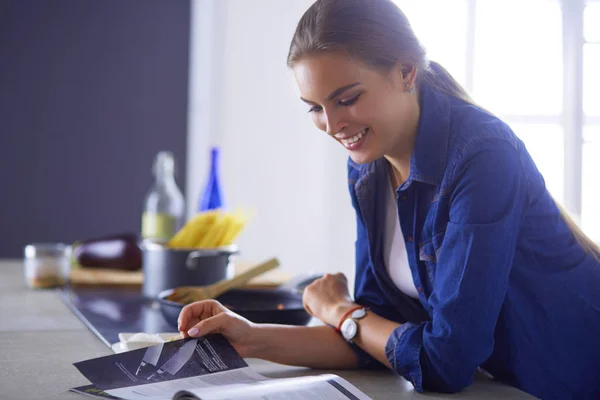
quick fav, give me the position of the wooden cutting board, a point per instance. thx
(82, 276)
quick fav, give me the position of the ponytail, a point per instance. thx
(438, 77)
(586, 243)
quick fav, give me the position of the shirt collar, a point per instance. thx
(428, 161)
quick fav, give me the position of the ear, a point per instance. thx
(409, 76)
(403, 76)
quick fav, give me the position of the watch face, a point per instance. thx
(360, 313)
(349, 329)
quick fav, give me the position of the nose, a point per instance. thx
(333, 123)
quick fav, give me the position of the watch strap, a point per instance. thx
(339, 326)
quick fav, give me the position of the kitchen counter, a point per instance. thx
(40, 339)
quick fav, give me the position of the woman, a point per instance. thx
(463, 260)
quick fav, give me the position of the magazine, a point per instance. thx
(205, 368)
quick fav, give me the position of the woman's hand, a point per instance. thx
(210, 316)
(327, 298)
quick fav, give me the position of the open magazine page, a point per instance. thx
(326, 387)
(170, 361)
(166, 390)
(207, 367)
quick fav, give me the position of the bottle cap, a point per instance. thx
(164, 162)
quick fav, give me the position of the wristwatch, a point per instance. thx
(349, 327)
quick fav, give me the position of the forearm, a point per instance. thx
(373, 336)
(313, 347)
(373, 332)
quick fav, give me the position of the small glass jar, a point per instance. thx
(47, 265)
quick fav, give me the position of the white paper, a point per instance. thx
(166, 390)
(301, 388)
(244, 383)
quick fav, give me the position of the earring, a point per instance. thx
(410, 89)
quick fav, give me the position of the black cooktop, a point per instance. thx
(109, 311)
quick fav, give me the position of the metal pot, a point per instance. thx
(166, 268)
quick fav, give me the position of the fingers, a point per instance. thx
(307, 308)
(322, 292)
(341, 275)
(215, 324)
(336, 275)
(198, 311)
(306, 295)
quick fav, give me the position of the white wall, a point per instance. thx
(243, 98)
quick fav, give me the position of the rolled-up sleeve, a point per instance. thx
(473, 266)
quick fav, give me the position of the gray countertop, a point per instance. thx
(40, 339)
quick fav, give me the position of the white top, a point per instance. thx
(394, 249)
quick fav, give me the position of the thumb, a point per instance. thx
(215, 324)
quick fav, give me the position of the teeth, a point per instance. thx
(354, 139)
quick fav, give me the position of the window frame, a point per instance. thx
(572, 118)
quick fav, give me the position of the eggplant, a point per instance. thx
(116, 252)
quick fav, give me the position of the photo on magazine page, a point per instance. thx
(163, 362)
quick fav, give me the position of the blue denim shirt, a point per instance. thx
(503, 284)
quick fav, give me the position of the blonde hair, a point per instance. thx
(586, 243)
(378, 33)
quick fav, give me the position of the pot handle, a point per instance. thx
(190, 262)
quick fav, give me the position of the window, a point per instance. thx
(545, 143)
(591, 79)
(450, 19)
(590, 207)
(515, 69)
(518, 76)
(591, 22)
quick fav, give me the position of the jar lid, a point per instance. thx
(46, 250)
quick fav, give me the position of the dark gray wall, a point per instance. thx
(90, 91)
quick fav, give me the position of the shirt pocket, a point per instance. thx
(429, 251)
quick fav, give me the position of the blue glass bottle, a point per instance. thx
(212, 197)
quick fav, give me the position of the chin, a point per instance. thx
(368, 151)
(363, 157)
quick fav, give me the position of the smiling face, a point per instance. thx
(372, 114)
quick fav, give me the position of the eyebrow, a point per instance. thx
(336, 92)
